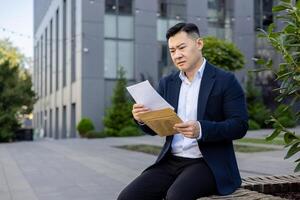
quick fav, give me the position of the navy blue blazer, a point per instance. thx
(223, 116)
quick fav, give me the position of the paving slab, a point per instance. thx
(83, 169)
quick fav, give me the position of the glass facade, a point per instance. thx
(219, 19)
(118, 33)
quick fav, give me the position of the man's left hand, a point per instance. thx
(189, 129)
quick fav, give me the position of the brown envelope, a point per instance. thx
(161, 121)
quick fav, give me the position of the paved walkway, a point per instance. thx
(81, 169)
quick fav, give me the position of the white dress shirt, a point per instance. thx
(187, 110)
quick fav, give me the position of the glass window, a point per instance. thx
(110, 6)
(176, 10)
(125, 7)
(263, 13)
(172, 22)
(162, 27)
(125, 27)
(110, 26)
(216, 12)
(125, 53)
(110, 58)
(118, 24)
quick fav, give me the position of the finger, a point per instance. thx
(139, 110)
(137, 106)
(188, 134)
(181, 125)
(189, 129)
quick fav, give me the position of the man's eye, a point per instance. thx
(182, 47)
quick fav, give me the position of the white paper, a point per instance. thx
(144, 93)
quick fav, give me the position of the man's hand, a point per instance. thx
(138, 109)
(189, 129)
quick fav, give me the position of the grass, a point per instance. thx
(154, 150)
(276, 141)
(251, 149)
(144, 148)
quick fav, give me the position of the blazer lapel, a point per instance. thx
(173, 90)
(207, 82)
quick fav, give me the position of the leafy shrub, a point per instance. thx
(258, 112)
(253, 125)
(222, 54)
(119, 115)
(94, 134)
(84, 126)
(130, 131)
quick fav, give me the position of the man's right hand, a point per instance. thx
(138, 109)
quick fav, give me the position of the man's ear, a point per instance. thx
(200, 43)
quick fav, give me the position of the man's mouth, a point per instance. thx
(180, 63)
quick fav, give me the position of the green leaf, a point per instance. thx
(278, 8)
(289, 137)
(293, 150)
(275, 133)
(297, 169)
(260, 61)
(271, 28)
(259, 70)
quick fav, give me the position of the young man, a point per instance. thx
(199, 160)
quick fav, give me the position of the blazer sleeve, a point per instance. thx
(235, 123)
(144, 127)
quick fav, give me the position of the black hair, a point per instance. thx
(189, 28)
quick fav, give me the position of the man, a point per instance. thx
(199, 160)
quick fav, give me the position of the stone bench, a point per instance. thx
(261, 188)
(243, 194)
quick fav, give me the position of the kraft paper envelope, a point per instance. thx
(161, 121)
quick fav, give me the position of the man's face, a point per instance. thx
(185, 51)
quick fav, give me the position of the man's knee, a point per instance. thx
(174, 195)
(126, 195)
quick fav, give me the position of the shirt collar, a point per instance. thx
(199, 73)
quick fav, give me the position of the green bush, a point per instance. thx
(259, 113)
(110, 132)
(94, 134)
(119, 115)
(84, 126)
(253, 125)
(222, 54)
(257, 110)
(130, 131)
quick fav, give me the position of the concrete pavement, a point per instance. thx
(82, 169)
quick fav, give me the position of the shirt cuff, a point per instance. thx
(200, 131)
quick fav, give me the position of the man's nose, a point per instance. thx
(177, 54)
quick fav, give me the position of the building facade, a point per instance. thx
(80, 44)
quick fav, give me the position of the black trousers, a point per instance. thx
(174, 178)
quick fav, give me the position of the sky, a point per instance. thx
(17, 16)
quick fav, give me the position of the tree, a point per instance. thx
(223, 54)
(118, 119)
(286, 41)
(16, 94)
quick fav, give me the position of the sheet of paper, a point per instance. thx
(144, 93)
